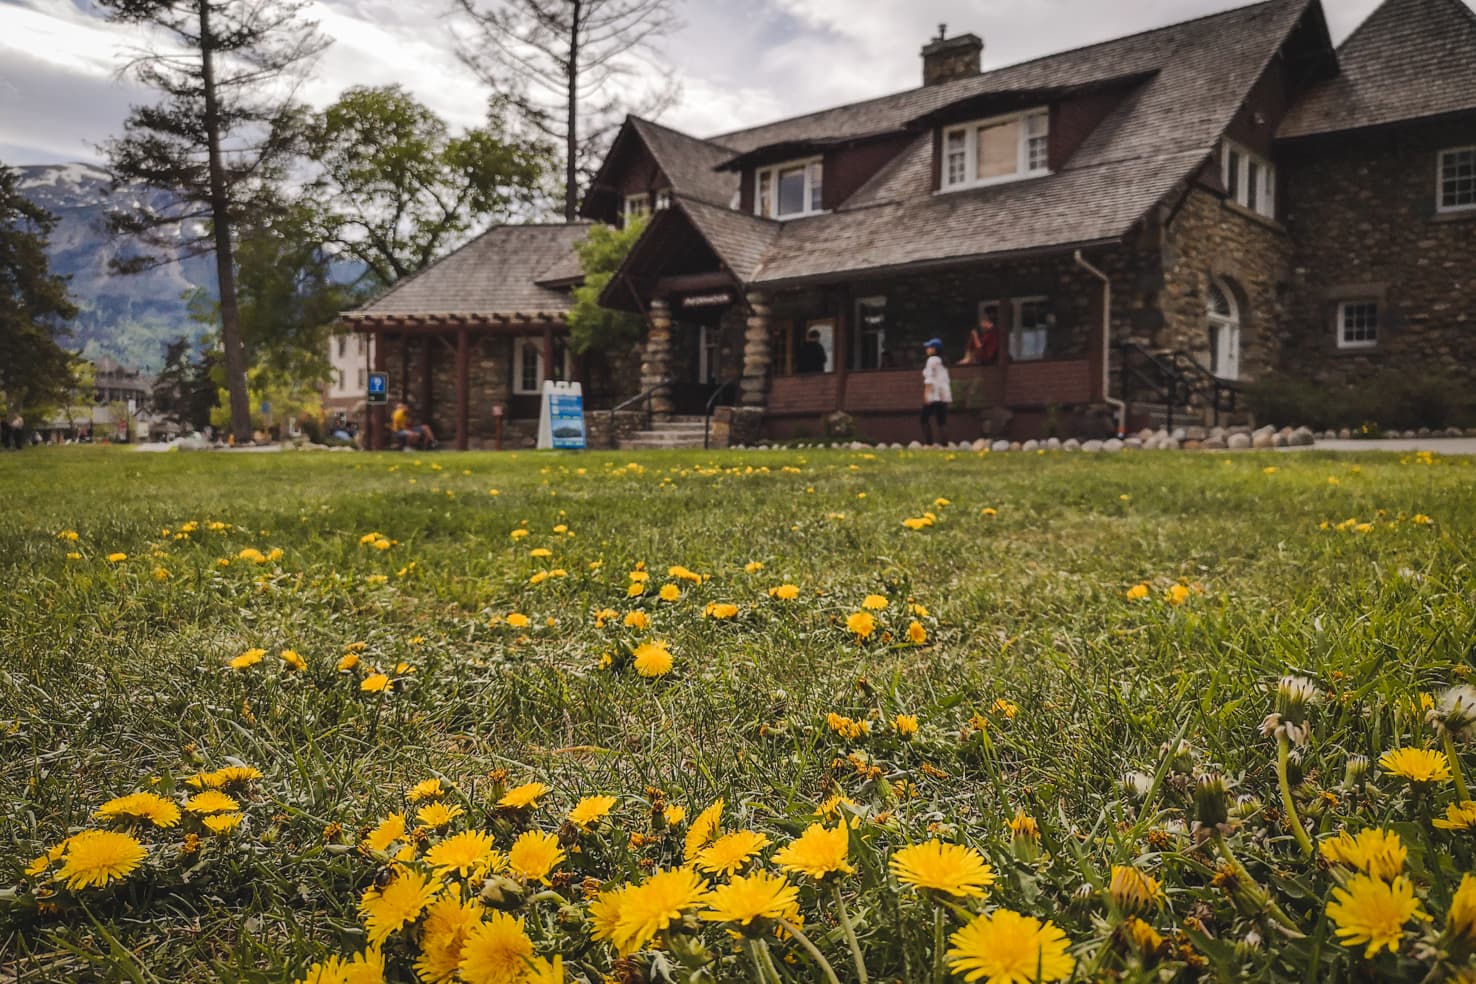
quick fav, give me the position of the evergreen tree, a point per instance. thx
(184, 390)
(221, 139)
(35, 370)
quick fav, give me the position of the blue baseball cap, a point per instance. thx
(936, 343)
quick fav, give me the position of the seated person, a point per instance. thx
(410, 433)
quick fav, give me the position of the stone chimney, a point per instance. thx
(945, 59)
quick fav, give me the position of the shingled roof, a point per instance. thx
(690, 164)
(494, 275)
(1409, 60)
(1194, 76)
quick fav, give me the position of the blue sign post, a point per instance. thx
(561, 422)
(378, 388)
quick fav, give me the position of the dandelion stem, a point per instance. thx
(759, 974)
(1283, 753)
(1254, 894)
(770, 971)
(845, 920)
(938, 945)
(1455, 770)
(812, 950)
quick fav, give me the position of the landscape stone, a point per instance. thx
(1133, 444)
(1071, 444)
(1053, 444)
(1000, 445)
(1112, 445)
(1091, 446)
(1213, 443)
(1031, 445)
(1238, 442)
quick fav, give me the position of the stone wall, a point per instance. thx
(1363, 218)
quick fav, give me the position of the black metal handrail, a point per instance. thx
(645, 395)
(707, 414)
(1176, 377)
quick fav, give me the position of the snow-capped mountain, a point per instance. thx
(130, 318)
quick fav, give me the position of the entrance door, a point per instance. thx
(1224, 330)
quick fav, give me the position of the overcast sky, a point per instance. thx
(739, 62)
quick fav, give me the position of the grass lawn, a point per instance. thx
(1063, 675)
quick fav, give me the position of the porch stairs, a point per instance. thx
(671, 434)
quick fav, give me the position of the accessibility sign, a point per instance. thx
(378, 388)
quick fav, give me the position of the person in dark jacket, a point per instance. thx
(812, 357)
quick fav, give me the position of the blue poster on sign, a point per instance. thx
(378, 387)
(566, 420)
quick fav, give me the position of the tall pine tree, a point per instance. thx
(34, 307)
(221, 139)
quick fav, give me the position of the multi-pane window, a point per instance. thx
(789, 190)
(637, 206)
(663, 199)
(992, 151)
(1030, 329)
(1358, 324)
(528, 364)
(1457, 179)
(1250, 180)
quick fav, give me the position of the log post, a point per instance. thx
(757, 355)
(656, 360)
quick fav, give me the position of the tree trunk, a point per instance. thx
(571, 143)
(225, 259)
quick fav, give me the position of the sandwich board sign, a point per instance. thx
(378, 388)
(561, 416)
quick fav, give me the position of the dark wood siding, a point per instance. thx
(848, 169)
(1073, 120)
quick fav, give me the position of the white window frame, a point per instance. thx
(970, 131)
(1016, 304)
(1363, 343)
(1239, 191)
(637, 206)
(662, 199)
(880, 335)
(1440, 205)
(772, 173)
(521, 342)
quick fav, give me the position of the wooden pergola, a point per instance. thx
(381, 328)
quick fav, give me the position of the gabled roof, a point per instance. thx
(1409, 60)
(496, 273)
(690, 164)
(739, 239)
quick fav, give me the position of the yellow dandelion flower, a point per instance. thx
(1005, 708)
(292, 659)
(212, 801)
(674, 815)
(448, 922)
(989, 511)
(518, 534)
(117, 558)
(69, 535)
(636, 589)
(948, 868)
(640, 577)
(604, 912)
(1024, 827)
(669, 592)
(703, 829)
(591, 810)
(753, 567)
(652, 659)
(523, 797)
(1137, 592)
(1458, 816)
(1373, 851)
(221, 824)
(397, 904)
(533, 855)
(97, 857)
(374, 683)
(226, 776)
(388, 830)
(42, 863)
(720, 610)
(1134, 890)
(1178, 594)
(905, 725)
(438, 814)
(468, 854)
(1144, 936)
(540, 552)
(758, 897)
(819, 852)
(1460, 921)
(518, 620)
(637, 620)
(1369, 910)
(916, 634)
(1418, 765)
(727, 854)
(861, 624)
(545, 970)
(426, 789)
(140, 806)
(1005, 947)
(784, 592)
(249, 658)
(874, 602)
(650, 907)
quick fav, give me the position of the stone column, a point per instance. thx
(656, 360)
(754, 387)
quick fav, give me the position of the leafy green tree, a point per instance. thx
(184, 390)
(35, 370)
(395, 189)
(595, 328)
(222, 139)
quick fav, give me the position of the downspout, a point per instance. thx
(1106, 342)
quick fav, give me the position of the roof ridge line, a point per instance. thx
(682, 133)
(1012, 65)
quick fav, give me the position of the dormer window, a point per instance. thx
(996, 150)
(788, 191)
(1250, 180)
(637, 206)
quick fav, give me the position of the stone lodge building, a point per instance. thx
(1154, 219)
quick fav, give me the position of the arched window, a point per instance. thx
(1223, 317)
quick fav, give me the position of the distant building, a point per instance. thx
(350, 356)
(121, 409)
